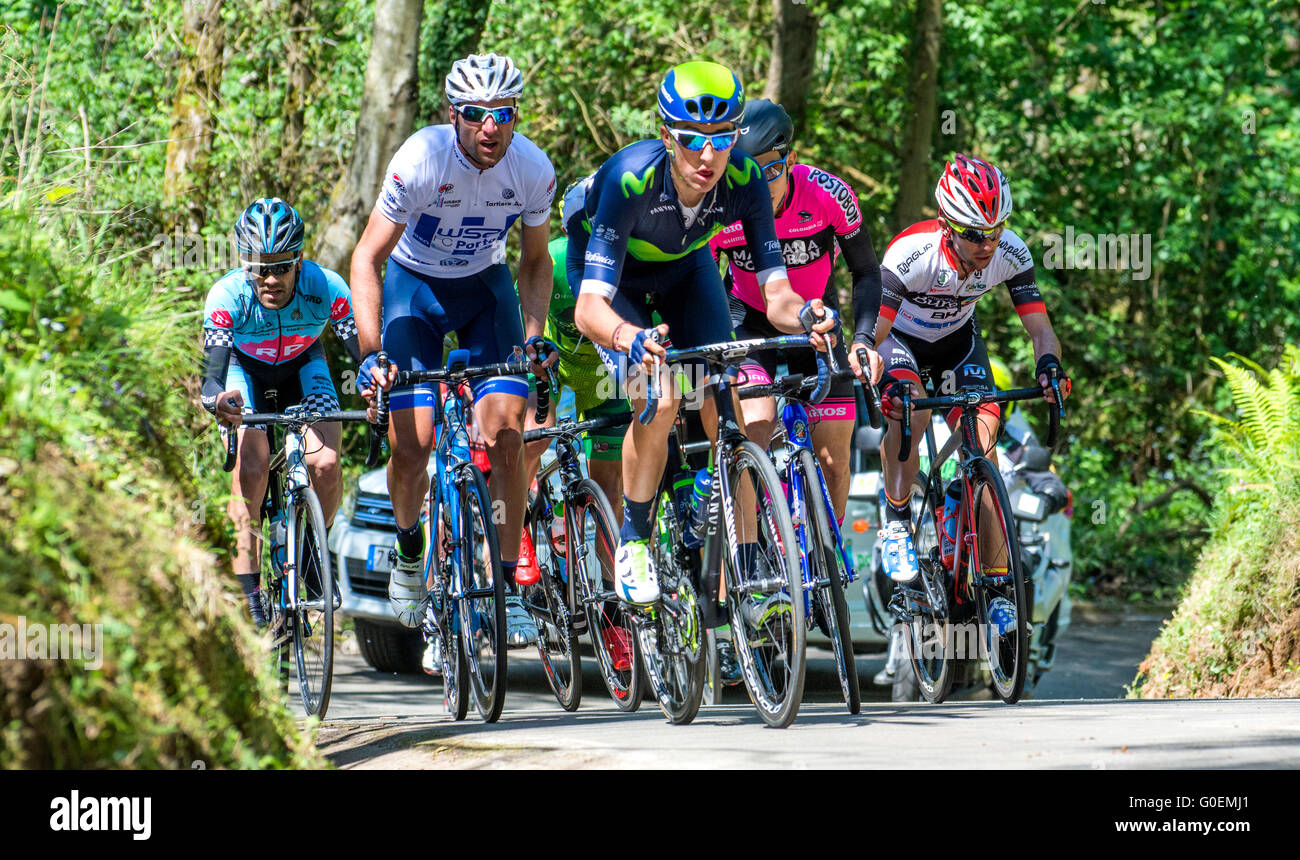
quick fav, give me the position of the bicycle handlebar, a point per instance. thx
(964, 400)
(873, 396)
(294, 418)
(379, 430)
(572, 428)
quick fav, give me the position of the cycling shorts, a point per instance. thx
(421, 310)
(953, 362)
(304, 381)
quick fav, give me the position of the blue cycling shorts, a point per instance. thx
(421, 310)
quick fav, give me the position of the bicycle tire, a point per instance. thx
(594, 517)
(1007, 656)
(547, 601)
(313, 619)
(672, 652)
(482, 618)
(440, 618)
(826, 563)
(771, 652)
(929, 630)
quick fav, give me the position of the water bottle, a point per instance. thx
(683, 490)
(700, 502)
(279, 536)
(948, 523)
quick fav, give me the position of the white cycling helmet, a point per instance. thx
(973, 193)
(483, 78)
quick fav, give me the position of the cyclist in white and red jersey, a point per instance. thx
(932, 275)
(449, 198)
(817, 217)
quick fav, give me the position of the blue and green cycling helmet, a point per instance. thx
(269, 226)
(701, 91)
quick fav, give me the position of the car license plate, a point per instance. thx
(378, 561)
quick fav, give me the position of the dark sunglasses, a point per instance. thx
(976, 235)
(478, 113)
(261, 270)
(695, 140)
(772, 172)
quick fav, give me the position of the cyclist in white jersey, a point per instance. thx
(932, 275)
(449, 198)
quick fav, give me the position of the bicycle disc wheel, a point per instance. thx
(671, 632)
(482, 598)
(313, 617)
(997, 573)
(929, 629)
(590, 541)
(548, 603)
(829, 579)
(768, 620)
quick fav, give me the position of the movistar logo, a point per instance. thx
(741, 177)
(630, 182)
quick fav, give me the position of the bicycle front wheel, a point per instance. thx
(547, 601)
(590, 541)
(671, 633)
(313, 611)
(924, 604)
(830, 577)
(768, 623)
(481, 598)
(998, 579)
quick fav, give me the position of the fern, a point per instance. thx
(1263, 441)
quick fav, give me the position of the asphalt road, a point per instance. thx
(1075, 719)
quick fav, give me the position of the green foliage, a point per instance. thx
(1240, 618)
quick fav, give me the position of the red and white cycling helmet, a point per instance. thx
(973, 193)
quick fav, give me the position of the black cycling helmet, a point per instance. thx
(269, 226)
(765, 128)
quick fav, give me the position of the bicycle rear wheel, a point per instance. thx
(925, 604)
(481, 596)
(547, 601)
(996, 572)
(767, 606)
(671, 633)
(829, 580)
(313, 615)
(590, 541)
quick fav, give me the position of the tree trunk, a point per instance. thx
(915, 181)
(452, 32)
(794, 47)
(386, 118)
(197, 91)
(295, 99)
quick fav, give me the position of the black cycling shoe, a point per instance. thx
(728, 665)
(257, 609)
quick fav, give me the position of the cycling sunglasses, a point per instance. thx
(976, 235)
(261, 270)
(695, 140)
(478, 113)
(772, 172)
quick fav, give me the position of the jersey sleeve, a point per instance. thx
(398, 196)
(602, 263)
(218, 340)
(892, 289)
(537, 208)
(341, 319)
(758, 222)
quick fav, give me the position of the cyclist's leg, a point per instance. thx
(604, 452)
(248, 488)
(897, 549)
(759, 413)
(973, 370)
(322, 440)
(533, 451)
(412, 336)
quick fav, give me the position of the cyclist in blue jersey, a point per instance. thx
(449, 198)
(638, 243)
(261, 328)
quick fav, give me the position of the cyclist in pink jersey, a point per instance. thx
(817, 217)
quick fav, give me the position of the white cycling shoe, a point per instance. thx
(406, 591)
(636, 579)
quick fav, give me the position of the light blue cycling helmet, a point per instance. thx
(269, 226)
(701, 91)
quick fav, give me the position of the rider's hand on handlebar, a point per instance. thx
(537, 346)
(1050, 364)
(644, 349)
(891, 399)
(876, 364)
(230, 407)
(370, 379)
(823, 334)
